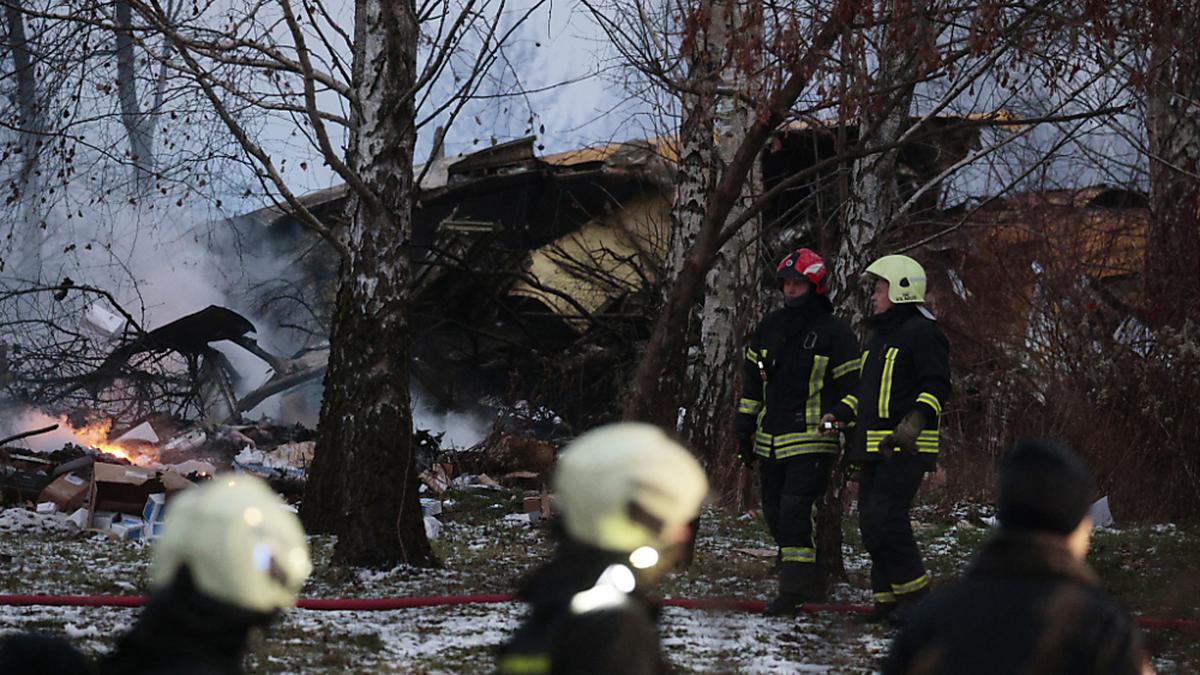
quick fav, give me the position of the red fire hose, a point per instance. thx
(380, 604)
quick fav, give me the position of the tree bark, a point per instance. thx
(695, 175)
(1172, 267)
(28, 234)
(731, 297)
(363, 482)
(138, 126)
(655, 394)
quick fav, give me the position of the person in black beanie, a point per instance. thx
(1029, 603)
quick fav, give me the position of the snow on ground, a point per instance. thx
(21, 521)
(91, 629)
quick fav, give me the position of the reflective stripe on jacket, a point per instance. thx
(799, 363)
(905, 366)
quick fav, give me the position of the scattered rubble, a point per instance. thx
(120, 479)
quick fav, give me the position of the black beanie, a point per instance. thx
(1043, 486)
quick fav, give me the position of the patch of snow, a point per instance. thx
(18, 520)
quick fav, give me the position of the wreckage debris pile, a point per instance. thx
(98, 488)
(120, 499)
(76, 488)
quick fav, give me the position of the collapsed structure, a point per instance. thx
(535, 277)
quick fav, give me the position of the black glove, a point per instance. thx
(744, 428)
(904, 438)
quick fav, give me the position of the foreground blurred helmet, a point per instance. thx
(624, 487)
(239, 542)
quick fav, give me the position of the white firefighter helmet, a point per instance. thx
(626, 486)
(238, 540)
(905, 277)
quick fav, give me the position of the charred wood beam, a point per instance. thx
(278, 364)
(27, 434)
(278, 383)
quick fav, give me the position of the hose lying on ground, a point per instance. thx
(382, 604)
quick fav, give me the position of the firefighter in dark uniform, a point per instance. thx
(1029, 603)
(904, 383)
(628, 494)
(800, 362)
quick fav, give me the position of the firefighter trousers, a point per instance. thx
(790, 490)
(886, 489)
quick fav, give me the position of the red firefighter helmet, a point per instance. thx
(804, 264)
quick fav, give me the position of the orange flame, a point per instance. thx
(95, 435)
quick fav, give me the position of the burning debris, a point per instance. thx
(84, 471)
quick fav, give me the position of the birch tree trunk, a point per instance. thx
(1172, 268)
(731, 298)
(654, 395)
(694, 178)
(363, 483)
(872, 201)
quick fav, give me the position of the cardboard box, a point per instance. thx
(430, 507)
(79, 517)
(537, 506)
(125, 489)
(153, 511)
(68, 492)
(103, 520)
(130, 530)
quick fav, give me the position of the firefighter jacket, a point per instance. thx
(1024, 606)
(578, 625)
(800, 362)
(905, 367)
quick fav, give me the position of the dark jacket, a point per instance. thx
(905, 367)
(799, 363)
(1026, 606)
(615, 637)
(41, 654)
(184, 632)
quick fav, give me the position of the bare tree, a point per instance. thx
(139, 124)
(362, 484)
(1172, 273)
(30, 125)
(364, 477)
(731, 303)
